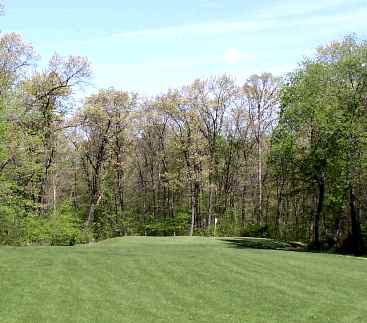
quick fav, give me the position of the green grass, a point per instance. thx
(178, 280)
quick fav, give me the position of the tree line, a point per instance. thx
(273, 157)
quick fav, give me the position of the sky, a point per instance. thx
(149, 46)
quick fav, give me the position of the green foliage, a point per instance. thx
(168, 226)
(226, 225)
(64, 230)
(86, 236)
(11, 225)
(256, 230)
(137, 166)
(204, 232)
(61, 228)
(321, 138)
(36, 230)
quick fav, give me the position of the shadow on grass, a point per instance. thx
(263, 243)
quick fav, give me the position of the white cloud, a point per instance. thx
(205, 28)
(232, 56)
(352, 17)
(288, 8)
(274, 18)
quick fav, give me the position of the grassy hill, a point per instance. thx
(139, 279)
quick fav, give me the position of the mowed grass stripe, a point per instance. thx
(138, 279)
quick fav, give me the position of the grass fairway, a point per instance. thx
(178, 280)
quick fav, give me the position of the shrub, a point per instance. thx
(59, 229)
(36, 230)
(64, 231)
(11, 225)
(86, 236)
(203, 232)
(168, 226)
(256, 230)
(65, 228)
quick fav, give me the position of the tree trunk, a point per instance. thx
(320, 203)
(259, 164)
(260, 220)
(92, 209)
(210, 210)
(193, 210)
(120, 189)
(357, 243)
(279, 218)
(243, 207)
(54, 194)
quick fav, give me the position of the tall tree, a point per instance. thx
(46, 100)
(261, 94)
(212, 99)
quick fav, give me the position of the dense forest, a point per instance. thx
(274, 157)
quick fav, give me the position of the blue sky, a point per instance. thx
(149, 46)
